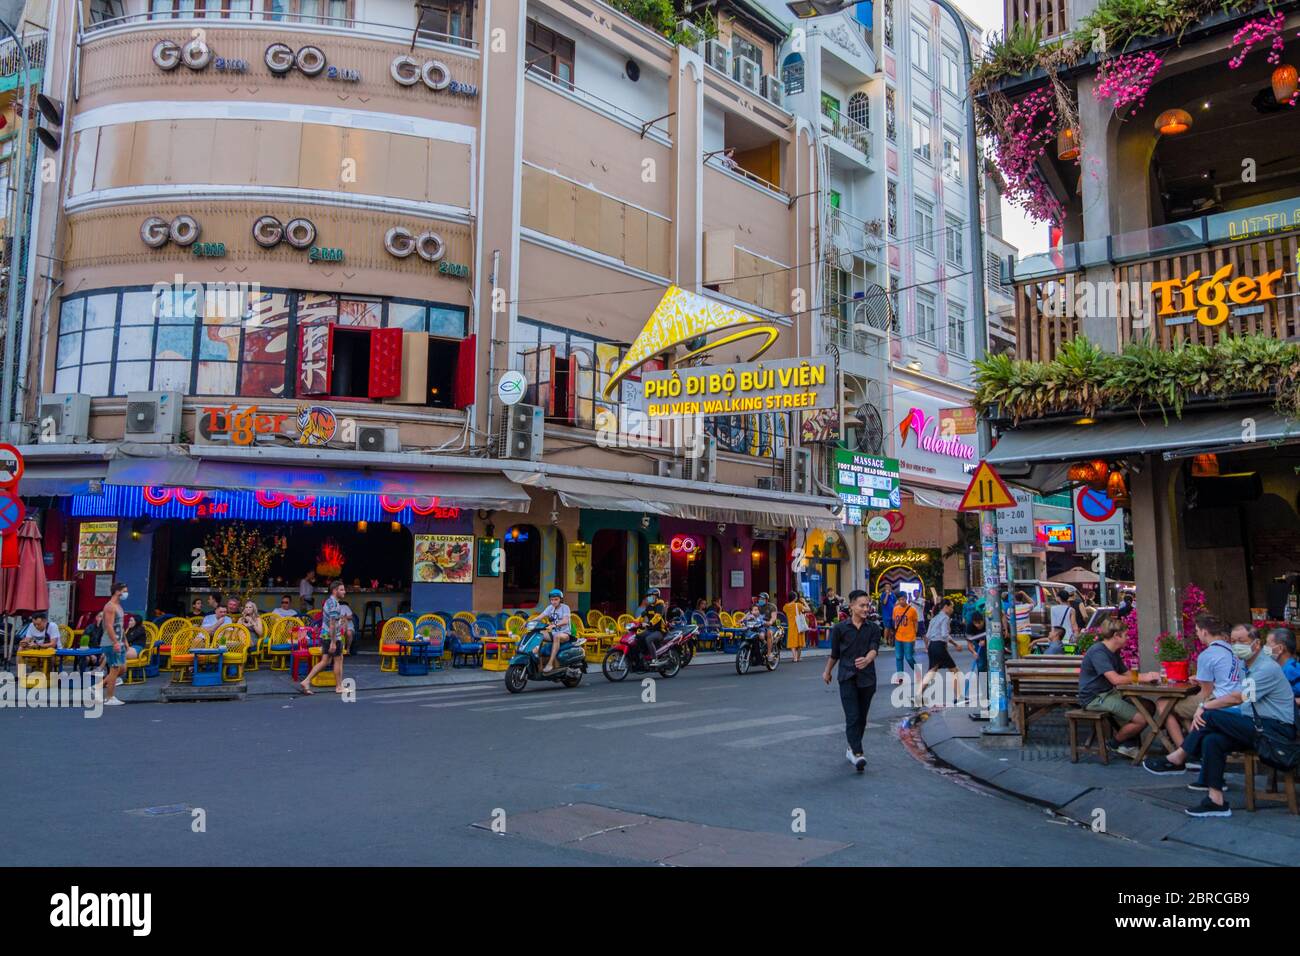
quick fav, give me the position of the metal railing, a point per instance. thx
(231, 18)
(1051, 16)
(11, 61)
(597, 103)
(725, 164)
(847, 130)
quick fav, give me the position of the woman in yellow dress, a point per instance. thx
(795, 610)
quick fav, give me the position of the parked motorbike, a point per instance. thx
(753, 650)
(628, 657)
(535, 650)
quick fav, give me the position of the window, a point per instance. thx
(4, 189)
(835, 198)
(830, 106)
(860, 109)
(951, 155)
(746, 48)
(952, 240)
(926, 328)
(923, 232)
(101, 10)
(891, 116)
(921, 47)
(921, 134)
(895, 304)
(792, 74)
(956, 330)
(889, 23)
(891, 209)
(550, 53)
(444, 19)
(950, 72)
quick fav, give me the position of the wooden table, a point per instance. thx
(1162, 697)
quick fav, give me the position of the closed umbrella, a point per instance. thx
(24, 588)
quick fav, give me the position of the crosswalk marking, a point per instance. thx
(648, 708)
(478, 703)
(731, 725)
(642, 721)
(753, 743)
(431, 692)
(556, 699)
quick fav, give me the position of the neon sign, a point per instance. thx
(929, 439)
(133, 501)
(420, 505)
(684, 544)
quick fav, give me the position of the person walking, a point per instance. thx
(905, 623)
(331, 644)
(855, 642)
(887, 602)
(937, 636)
(796, 616)
(113, 642)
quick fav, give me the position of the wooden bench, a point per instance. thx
(1040, 684)
(1288, 796)
(1098, 724)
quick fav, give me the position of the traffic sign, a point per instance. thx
(1098, 522)
(987, 491)
(1094, 505)
(12, 512)
(1016, 525)
(11, 466)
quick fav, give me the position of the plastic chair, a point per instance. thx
(280, 643)
(464, 646)
(624, 620)
(237, 640)
(515, 624)
(182, 661)
(434, 632)
(168, 633)
(302, 655)
(395, 629)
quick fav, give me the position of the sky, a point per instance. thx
(1027, 236)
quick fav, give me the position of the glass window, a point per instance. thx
(830, 106)
(264, 381)
(405, 315)
(360, 313)
(135, 342)
(219, 342)
(99, 344)
(65, 380)
(171, 376)
(131, 377)
(921, 134)
(178, 306)
(240, 9)
(71, 315)
(956, 330)
(101, 311)
(953, 240)
(926, 329)
(860, 109)
(274, 9)
(138, 308)
(69, 352)
(951, 73)
(216, 378)
(549, 52)
(889, 23)
(792, 74)
(921, 47)
(951, 155)
(94, 379)
(891, 116)
(175, 342)
(449, 323)
(895, 302)
(924, 231)
(891, 208)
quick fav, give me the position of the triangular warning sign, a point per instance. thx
(987, 491)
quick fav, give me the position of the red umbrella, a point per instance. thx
(25, 589)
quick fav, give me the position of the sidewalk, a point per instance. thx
(1136, 805)
(364, 669)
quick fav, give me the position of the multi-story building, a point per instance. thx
(1172, 301)
(292, 251)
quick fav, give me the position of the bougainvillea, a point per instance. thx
(1193, 604)
(1125, 80)
(1029, 128)
(1265, 29)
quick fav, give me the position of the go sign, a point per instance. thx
(11, 466)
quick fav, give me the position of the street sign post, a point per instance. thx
(987, 493)
(12, 512)
(11, 466)
(1098, 522)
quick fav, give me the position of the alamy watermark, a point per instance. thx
(66, 690)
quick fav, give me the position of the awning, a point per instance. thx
(935, 499)
(488, 490)
(720, 503)
(53, 479)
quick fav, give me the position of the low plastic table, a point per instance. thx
(413, 661)
(208, 666)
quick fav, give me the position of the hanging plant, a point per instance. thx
(1125, 80)
(1260, 30)
(1021, 139)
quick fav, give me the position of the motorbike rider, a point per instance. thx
(653, 614)
(768, 610)
(556, 614)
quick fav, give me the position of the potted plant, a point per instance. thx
(1172, 654)
(1085, 640)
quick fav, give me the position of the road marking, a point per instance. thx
(731, 725)
(754, 743)
(642, 721)
(557, 699)
(648, 708)
(480, 701)
(431, 691)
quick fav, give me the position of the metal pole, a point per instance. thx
(15, 250)
(1101, 577)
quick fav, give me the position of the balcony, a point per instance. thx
(852, 136)
(11, 60)
(1052, 17)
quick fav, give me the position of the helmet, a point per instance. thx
(653, 592)
(763, 596)
(555, 592)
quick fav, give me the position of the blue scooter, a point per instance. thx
(535, 650)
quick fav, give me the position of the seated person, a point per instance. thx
(557, 615)
(136, 636)
(1101, 674)
(1218, 672)
(1282, 642)
(216, 620)
(40, 634)
(196, 607)
(286, 607)
(253, 621)
(1218, 731)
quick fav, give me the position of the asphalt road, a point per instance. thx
(418, 776)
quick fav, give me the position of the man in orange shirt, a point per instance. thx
(905, 619)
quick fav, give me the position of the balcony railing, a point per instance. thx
(858, 237)
(11, 60)
(847, 130)
(719, 160)
(406, 33)
(1052, 17)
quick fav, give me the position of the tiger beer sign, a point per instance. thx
(1210, 299)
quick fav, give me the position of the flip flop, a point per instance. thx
(305, 690)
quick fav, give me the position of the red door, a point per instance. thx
(385, 363)
(315, 359)
(466, 363)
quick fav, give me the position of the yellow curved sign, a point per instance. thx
(681, 316)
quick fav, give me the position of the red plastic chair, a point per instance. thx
(301, 655)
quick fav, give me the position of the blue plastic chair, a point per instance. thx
(709, 624)
(465, 646)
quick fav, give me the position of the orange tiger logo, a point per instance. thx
(317, 425)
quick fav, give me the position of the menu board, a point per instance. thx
(97, 546)
(443, 559)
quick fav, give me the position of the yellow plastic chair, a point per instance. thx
(281, 637)
(237, 641)
(515, 624)
(624, 620)
(326, 677)
(196, 621)
(170, 630)
(395, 629)
(134, 673)
(42, 657)
(182, 661)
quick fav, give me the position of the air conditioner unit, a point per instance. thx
(798, 471)
(702, 468)
(667, 469)
(773, 90)
(746, 72)
(692, 30)
(153, 417)
(63, 417)
(375, 438)
(521, 433)
(770, 483)
(718, 56)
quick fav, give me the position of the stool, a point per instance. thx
(1096, 719)
(324, 679)
(303, 656)
(372, 619)
(1253, 766)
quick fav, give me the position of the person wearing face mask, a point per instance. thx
(1282, 642)
(1218, 673)
(1217, 732)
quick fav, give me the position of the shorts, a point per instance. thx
(325, 649)
(1114, 703)
(114, 658)
(1186, 708)
(940, 659)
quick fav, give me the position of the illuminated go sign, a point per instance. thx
(684, 544)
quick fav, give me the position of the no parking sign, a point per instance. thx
(1098, 522)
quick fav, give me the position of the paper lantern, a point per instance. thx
(1205, 466)
(1116, 489)
(1067, 144)
(1284, 82)
(1173, 122)
(1100, 469)
(1081, 471)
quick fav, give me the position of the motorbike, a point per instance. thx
(689, 639)
(535, 650)
(753, 650)
(628, 657)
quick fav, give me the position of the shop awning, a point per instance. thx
(489, 490)
(720, 503)
(54, 479)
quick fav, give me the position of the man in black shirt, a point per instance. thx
(854, 645)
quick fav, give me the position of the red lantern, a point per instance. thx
(1116, 489)
(1081, 471)
(1284, 83)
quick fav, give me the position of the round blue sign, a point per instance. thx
(1095, 505)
